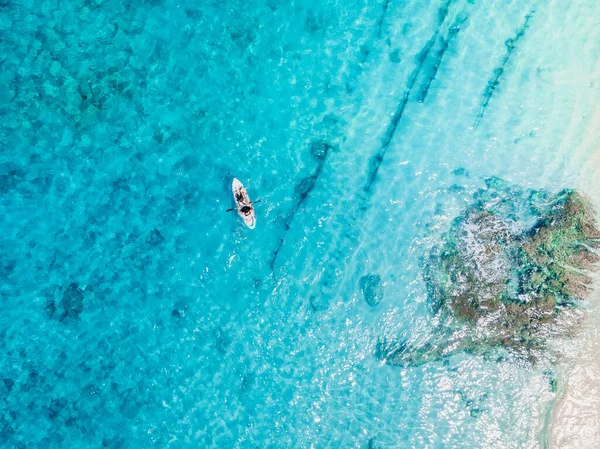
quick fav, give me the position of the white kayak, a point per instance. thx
(243, 204)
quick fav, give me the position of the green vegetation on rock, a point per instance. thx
(508, 267)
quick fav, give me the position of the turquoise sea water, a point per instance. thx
(136, 312)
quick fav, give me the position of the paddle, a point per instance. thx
(234, 208)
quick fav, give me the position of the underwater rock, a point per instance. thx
(372, 289)
(395, 56)
(10, 177)
(72, 302)
(305, 186)
(56, 407)
(319, 149)
(155, 238)
(372, 444)
(49, 308)
(7, 267)
(179, 310)
(313, 23)
(461, 172)
(507, 269)
(6, 385)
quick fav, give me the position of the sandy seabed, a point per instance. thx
(576, 422)
(576, 417)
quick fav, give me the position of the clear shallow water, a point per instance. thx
(122, 125)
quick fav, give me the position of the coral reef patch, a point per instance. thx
(72, 302)
(372, 289)
(505, 272)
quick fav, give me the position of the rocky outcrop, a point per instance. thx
(372, 289)
(72, 302)
(507, 269)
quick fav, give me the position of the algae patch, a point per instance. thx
(507, 270)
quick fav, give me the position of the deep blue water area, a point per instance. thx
(137, 312)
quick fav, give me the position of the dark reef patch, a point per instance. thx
(155, 238)
(506, 271)
(372, 444)
(382, 18)
(371, 288)
(10, 176)
(461, 172)
(395, 56)
(7, 267)
(56, 407)
(495, 80)
(179, 310)
(72, 302)
(319, 150)
(6, 386)
(427, 63)
(430, 69)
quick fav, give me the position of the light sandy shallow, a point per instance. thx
(576, 417)
(576, 422)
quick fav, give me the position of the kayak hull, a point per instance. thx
(241, 198)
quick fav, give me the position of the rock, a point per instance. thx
(179, 310)
(372, 444)
(49, 308)
(372, 289)
(305, 186)
(505, 272)
(8, 384)
(395, 56)
(461, 172)
(319, 149)
(515, 277)
(155, 238)
(10, 176)
(56, 407)
(7, 267)
(72, 302)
